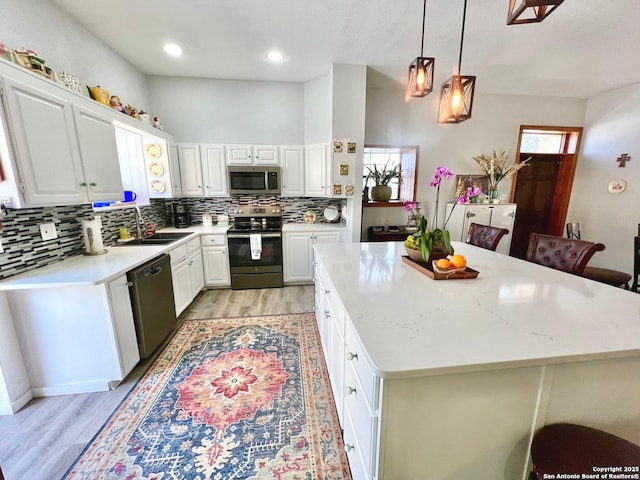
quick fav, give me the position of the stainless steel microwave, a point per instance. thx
(254, 180)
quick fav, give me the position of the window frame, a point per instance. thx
(409, 187)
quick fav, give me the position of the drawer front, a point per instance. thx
(178, 253)
(356, 358)
(358, 469)
(193, 245)
(213, 240)
(331, 298)
(364, 421)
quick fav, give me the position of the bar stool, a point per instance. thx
(565, 448)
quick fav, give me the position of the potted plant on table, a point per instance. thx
(381, 191)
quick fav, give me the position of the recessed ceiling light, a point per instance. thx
(172, 49)
(275, 56)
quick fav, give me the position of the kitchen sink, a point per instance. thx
(160, 238)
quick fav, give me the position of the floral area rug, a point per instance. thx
(231, 398)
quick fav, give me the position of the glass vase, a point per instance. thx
(494, 194)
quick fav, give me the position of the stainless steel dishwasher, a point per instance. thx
(154, 311)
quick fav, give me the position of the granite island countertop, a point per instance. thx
(515, 313)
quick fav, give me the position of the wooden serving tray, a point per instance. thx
(427, 270)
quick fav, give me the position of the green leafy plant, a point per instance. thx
(438, 240)
(382, 176)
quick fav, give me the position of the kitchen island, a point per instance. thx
(449, 379)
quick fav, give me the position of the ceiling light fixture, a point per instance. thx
(456, 96)
(172, 49)
(275, 56)
(530, 11)
(420, 83)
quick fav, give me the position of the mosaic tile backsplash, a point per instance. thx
(25, 250)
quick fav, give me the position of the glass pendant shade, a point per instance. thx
(420, 81)
(530, 11)
(456, 99)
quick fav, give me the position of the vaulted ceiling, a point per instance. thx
(583, 48)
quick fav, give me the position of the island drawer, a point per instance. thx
(351, 446)
(364, 421)
(331, 299)
(356, 357)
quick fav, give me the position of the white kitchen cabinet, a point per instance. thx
(187, 273)
(85, 343)
(316, 170)
(252, 155)
(174, 169)
(292, 161)
(216, 260)
(64, 153)
(190, 170)
(297, 249)
(214, 170)
(500, 215)
(202, 170)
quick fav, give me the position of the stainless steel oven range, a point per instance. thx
(255, 247)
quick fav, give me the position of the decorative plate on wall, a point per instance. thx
(156, 169)
(616, 186)
(154, 150)
(309, 216)
(158, 186)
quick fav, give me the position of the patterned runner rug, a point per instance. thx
(230, 398)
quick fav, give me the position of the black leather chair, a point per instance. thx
(485, 236)
(566, 254)
(636, 263)
(566, 448)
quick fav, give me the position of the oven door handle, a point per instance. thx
(247, 235)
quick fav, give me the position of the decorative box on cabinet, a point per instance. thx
(501, 215)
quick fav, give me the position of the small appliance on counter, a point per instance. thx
(92, 235)
(180, 215)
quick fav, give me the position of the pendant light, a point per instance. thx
(530, 11)
(420, 82)
(456, 96)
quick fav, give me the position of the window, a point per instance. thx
(389, 157)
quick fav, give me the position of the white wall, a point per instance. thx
(67, 46)
(229, 111)
(317, 109)
(494, 124)
(611, 127)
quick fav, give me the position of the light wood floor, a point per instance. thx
(43, 439)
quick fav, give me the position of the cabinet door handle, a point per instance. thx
(83, 184)
(352, 356)
(348, 447)
(349, 390)
(470, 214)
(511, 214)
(327, 314)
(93, 184)
(326, 292)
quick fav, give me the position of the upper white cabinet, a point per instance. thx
(64, 153)
(202, 170)
(214, 170)
(252, 155)
(501, 215)
(316, 170)
(174, 168)
(292, 160)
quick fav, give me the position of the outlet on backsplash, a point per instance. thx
(48, 231)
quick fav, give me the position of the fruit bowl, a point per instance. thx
(447, 270)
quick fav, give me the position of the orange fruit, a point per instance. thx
(443, 263)
(458, 261)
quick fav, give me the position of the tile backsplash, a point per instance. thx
(25, 250)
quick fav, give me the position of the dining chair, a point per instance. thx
(566, 254)
(485, 236)
(574, 450)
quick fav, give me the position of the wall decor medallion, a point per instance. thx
(154, 150)
(344, 169)
(337, 146)
(348, 190)
(158, 186)
(156, 169)
(351, 147)
(617, 186)
(623, 159)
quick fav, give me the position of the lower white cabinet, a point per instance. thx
(501, 215)
(216, 260)
(297, 246)
(86, 343)
(187, 273)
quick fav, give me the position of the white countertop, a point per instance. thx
(515, 313)
(87, 270)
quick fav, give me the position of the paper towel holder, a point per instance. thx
(92, 234)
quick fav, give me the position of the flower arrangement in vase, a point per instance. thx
(496, 169)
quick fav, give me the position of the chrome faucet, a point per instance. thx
(139, 221)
